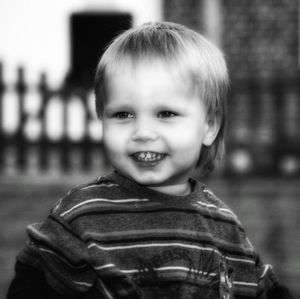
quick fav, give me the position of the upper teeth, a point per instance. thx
(148, 156)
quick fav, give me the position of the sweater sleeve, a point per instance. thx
(61, 257)
(29, 282)
(268, 285)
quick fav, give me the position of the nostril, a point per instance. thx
(144, 136)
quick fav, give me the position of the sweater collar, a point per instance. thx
(129, 184)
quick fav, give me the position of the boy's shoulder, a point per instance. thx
(101, 189)
(210, 197)
(213, 203)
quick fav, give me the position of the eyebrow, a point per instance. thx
(112, 107)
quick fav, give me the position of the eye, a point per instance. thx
(167, 114)
(122, 115)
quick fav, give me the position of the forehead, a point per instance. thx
(149, 75)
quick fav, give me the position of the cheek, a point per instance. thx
(187, 144)
(112, 138)
(113, 148)
(189, 136)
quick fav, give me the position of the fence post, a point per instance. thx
(65, 143)
(44, 144)
(86, 142)
(2, 137)
(21, 142)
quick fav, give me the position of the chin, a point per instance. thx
(148, 180)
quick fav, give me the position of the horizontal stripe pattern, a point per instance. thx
(121, 229)
(136, 243)
(168, 245)
(166, 234)
(185, 270)
(101, 200)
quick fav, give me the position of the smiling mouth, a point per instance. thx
(148, 156)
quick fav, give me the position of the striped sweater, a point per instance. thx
(113, 238)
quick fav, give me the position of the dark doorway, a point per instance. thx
(90, 33)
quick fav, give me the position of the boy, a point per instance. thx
(149, 230)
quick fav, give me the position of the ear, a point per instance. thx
(212, 127)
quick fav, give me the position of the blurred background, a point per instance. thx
(51, 138)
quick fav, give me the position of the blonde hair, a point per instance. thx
(183, 51)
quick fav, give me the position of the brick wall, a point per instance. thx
(261, 37)
(185, 12)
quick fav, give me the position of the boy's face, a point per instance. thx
(153, 127)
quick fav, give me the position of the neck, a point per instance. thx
(177, 190)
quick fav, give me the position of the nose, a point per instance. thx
(144, 130)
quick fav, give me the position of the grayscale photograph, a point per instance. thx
(149, 149)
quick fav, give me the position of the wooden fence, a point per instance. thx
(43, 129)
